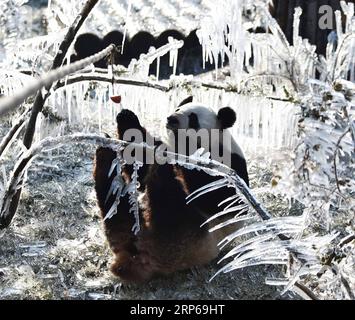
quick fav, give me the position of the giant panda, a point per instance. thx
(171, 237)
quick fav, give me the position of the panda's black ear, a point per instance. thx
(186, 101)
(226, 117)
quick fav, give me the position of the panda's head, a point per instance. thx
(190, 118)
(189, 115)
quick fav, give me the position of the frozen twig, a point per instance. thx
(157, 53)
(306, 291)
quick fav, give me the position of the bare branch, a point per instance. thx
(13, 131)
(309, 294)
(73, 30)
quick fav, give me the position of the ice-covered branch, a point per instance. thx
(9, 103)
(104, 78)
(12, 102)
(154, 54)
(209, 166)
(347, 42)
(171, 85)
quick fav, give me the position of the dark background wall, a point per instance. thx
(309, 28)
(283, 11)
(38, 3)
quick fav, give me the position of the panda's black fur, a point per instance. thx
(170, 238)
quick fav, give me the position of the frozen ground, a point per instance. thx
(55, 248)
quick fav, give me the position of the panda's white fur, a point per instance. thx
(206, 116)
(207, 119)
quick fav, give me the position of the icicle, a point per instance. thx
(204, 57)
(339, 24)
(126, 24)
(296, 26)
(348, 9)
(69, 97)
(158, 68)
(133, 198)
(173, 56)
(99, 105)
(140, 68)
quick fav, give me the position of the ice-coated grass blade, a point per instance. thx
(241, 209)
(231, 221)
(207, 188)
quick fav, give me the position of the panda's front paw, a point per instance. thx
(126, 119)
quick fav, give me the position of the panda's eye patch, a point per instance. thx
(193, 121)
(172, 122)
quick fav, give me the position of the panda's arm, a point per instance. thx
(128, 120)
(103, 163)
